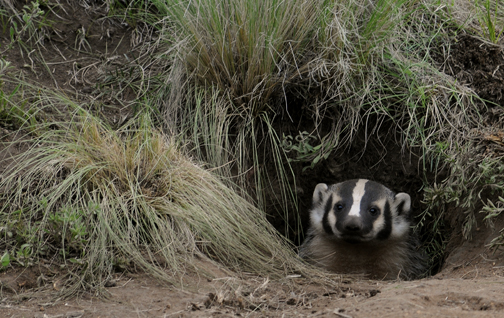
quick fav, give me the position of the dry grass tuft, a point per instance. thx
(100, 199)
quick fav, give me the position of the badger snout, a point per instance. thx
(352, 226)
(352, 230)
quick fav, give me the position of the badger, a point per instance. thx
(360, 226)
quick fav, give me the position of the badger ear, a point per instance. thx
(402, 202)
(320, 193)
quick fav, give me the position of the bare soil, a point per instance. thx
(468, 289)
(470, 284)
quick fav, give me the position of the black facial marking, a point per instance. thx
(327, 209)
(345, 190)
(320, 196)
(387, 229)
(400, 210)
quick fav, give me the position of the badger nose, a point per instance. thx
(352, 228)
(353, 225)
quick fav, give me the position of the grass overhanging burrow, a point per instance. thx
(98, 200)
(256, 76)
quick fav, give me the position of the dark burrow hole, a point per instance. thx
(379, 158)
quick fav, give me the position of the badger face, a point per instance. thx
(360, 210)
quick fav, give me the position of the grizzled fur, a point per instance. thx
(360, 226)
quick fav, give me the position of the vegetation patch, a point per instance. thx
(98, 200)
(203, 130)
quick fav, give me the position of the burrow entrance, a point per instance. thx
(380, 157)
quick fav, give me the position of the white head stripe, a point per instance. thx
(357, 194)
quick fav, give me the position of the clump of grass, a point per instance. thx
(248, 50)
(490, 15)
(237, 153)
(482, 18)
(17, 107)
(241, 57)
(474, 183)
(98, 199)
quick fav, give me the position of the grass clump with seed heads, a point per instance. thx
(97, 200)
(237, 60)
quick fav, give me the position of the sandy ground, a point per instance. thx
(472, 291)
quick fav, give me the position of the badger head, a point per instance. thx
(360, 210)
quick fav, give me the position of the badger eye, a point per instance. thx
(339, 207)
(374, 211)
